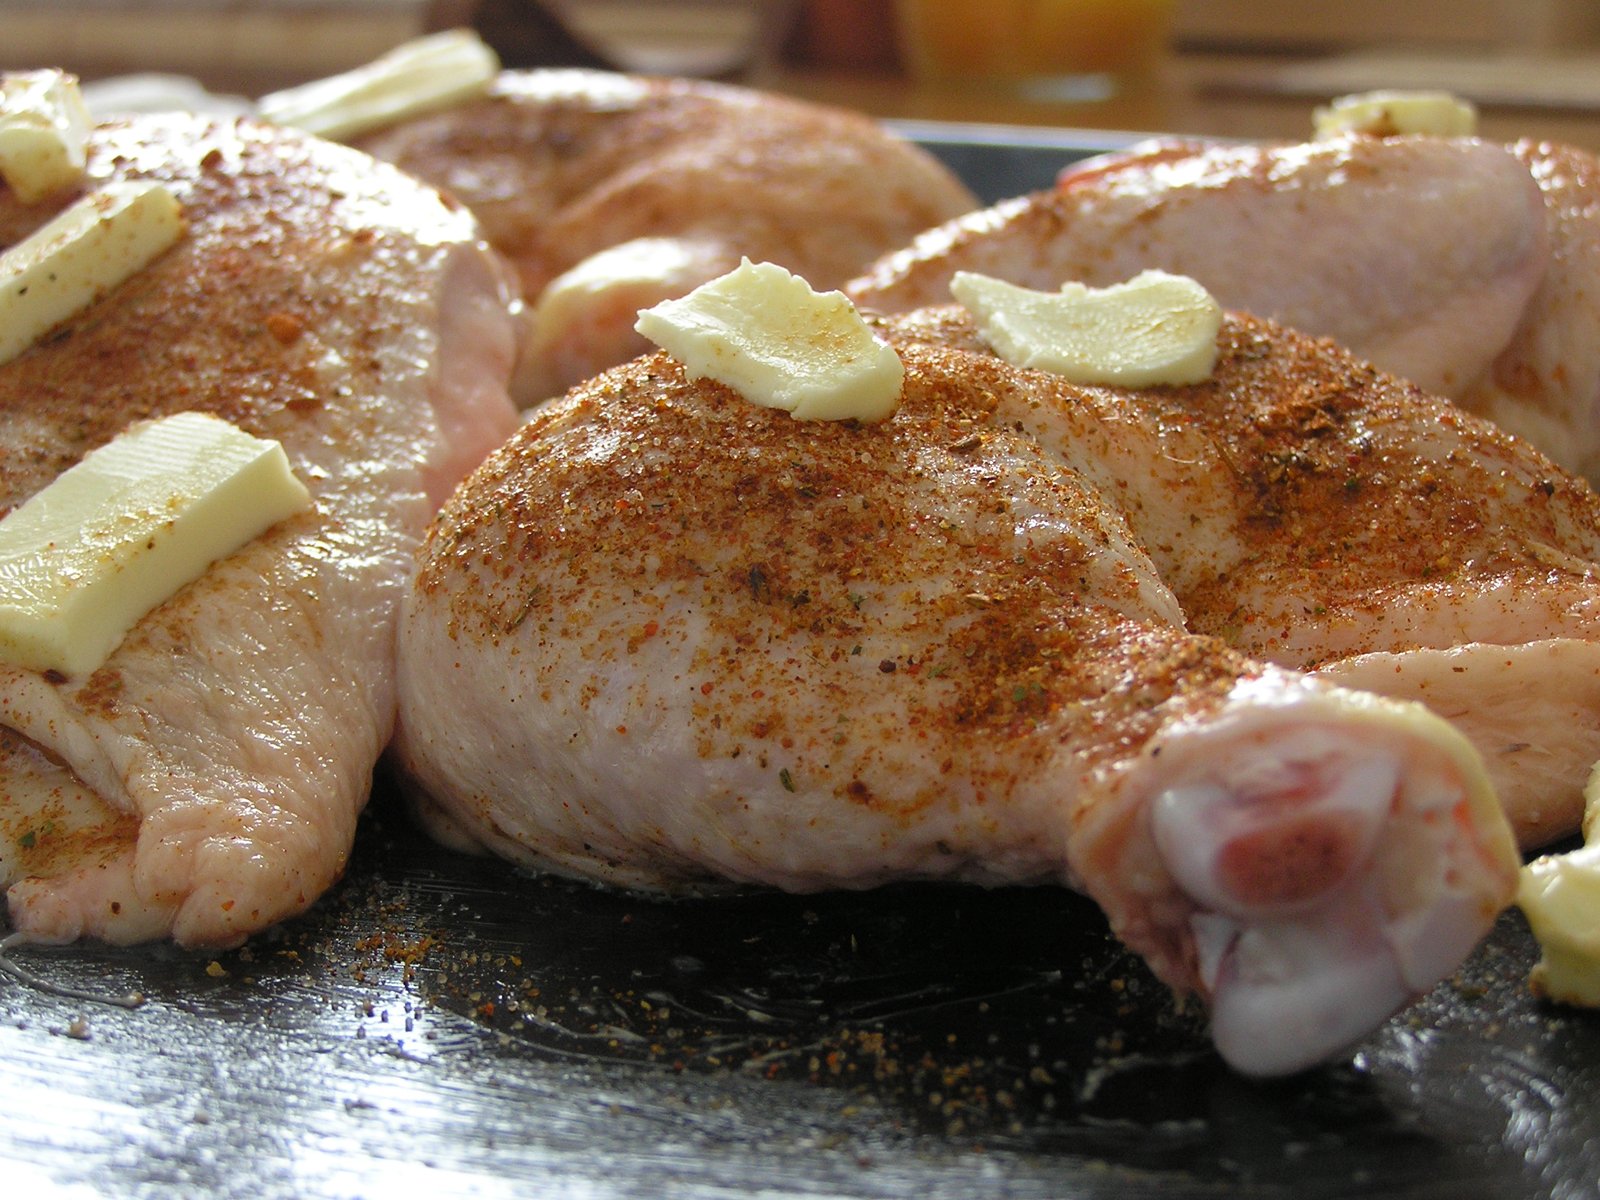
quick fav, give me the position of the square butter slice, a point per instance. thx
(114, 536)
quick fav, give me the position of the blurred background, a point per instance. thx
(1245, 68)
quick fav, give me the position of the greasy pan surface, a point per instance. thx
(441, 1022)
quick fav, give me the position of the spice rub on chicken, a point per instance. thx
(204, 782)
(1471, 268)
(1313, 512)
(610, 192)
(666, 639)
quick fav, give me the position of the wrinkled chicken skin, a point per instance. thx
(610, 192)
(1314, 512)
(669, 640)
(205, 781)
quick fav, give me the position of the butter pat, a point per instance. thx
(423, 75)
(44, 133)
(1393, 113)
(1155, 329)
(1560, 896)
(73, 260)
(765, 333)
(114, 536)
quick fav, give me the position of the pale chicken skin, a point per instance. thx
(1317, 513)
(1545, 383)
(205, 781)
(611, 192)
(1469, 268)
(1418, 254)
(670, 640)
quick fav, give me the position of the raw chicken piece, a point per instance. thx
(610, 192)
(1530, 709)
(1472, 269)
(1419, 254)
(1316, 513)
(1545, 384)
(205, 782)
(667, 639)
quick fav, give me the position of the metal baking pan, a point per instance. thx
(443, 1022)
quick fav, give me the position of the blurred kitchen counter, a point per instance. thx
(1521, 94)
(243, 46)
(1251, 68)
(251, 46)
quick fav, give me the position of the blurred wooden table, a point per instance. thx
(1204, 94)
(251, 46)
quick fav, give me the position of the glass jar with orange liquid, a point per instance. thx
(1047, 49)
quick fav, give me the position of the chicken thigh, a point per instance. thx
(610, 192)
(1470, 268)
(666, 639)
(204, 782)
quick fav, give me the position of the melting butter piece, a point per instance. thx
(1393, 113)
(44, 133)
(419, 76)
(1155, 329)
(765, 333)
(1560, 896)
(71, 261)
(85, 558)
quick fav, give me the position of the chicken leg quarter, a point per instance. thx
(669, 640)
(204, 782)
